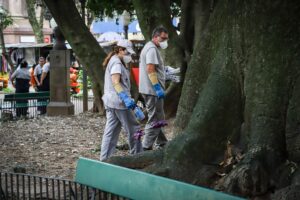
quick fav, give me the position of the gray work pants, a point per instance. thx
(155, 110)
(115, 119)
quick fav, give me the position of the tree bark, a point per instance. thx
(293, 123)
(199, 64)
(243, 72)
(82, 41)
(36, 25)
(269, 52)
(4, 52)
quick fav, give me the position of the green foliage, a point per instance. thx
(102, 8)
(89, 81)
(175, 8)
(5, 18)
(7, 90)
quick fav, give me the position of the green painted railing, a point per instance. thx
(28, 96)
(139, 185)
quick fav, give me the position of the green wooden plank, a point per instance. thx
(31, 95)
(34, 104)
(139, 185)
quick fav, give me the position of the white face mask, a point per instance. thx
(127, 59)
(163, 44)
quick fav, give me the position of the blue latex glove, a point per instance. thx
(138, 113)
(129, 103)
(159, 91)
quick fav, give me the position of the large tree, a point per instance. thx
(240, 63)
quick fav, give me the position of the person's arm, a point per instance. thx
(13, 76)
(152, 74)
(129, 103)
(46, 69)
(152, 60)
(37, 80)
(35, 76)
(44, 74)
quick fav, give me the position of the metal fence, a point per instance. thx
(9, 109)
(14, 186)
(78, 103)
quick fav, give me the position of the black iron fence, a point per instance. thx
(14, 186)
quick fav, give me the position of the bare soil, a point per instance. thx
(50, 146)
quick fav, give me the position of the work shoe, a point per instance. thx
(147, 149)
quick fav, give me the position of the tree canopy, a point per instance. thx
(109, 8)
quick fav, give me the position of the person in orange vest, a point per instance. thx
(3, 81)
(32, 79)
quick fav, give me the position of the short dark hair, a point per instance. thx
(158, 30)
(24, 64)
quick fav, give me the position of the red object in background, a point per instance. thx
(135, 73)
(46, 39)
(74, 85)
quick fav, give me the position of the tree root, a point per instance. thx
(248, 180)
(288, 193)
(206, 175)
(139, 161)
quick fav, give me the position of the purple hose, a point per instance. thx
(159, 124)
(137, 135)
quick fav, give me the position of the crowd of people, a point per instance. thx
(38, 76)
(121, 109)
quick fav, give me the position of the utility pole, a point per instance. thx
(84, 72)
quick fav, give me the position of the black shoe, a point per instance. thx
(160, 146)
(122, 147)
(147, 149)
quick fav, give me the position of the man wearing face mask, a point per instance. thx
(152, 85)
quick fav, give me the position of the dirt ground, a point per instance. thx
(50, 146)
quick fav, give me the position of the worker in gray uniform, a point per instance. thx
(152, 85)
(120, 107)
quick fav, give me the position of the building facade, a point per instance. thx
(21, 31)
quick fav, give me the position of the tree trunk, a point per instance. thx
(293, 123)
(199, 64)
(243, 73)
(36, 25)
(82, 41)
(271, 46)
(6, 55)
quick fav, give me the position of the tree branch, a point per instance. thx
(36, 26)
